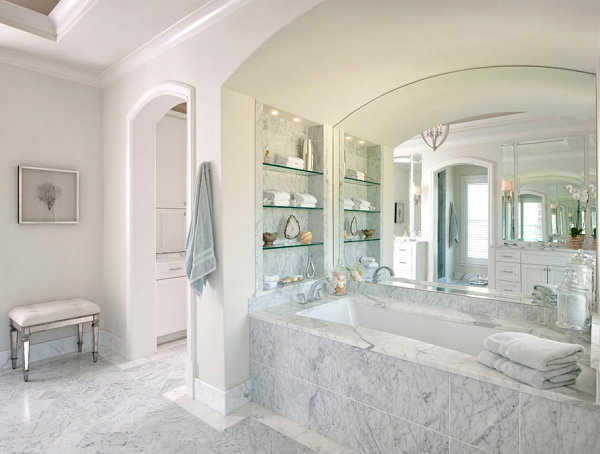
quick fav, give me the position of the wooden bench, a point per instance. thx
(33, 318)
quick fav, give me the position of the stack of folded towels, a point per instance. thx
(270, 281)
(304, 200)
(356, 174)
(545, 294)
(289, 161)
(368, 262)
(541, 363)
(278, 198)
(360, 204)
(348, 204)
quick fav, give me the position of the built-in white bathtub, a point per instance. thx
(453, 334)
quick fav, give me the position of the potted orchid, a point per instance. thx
(582, 197)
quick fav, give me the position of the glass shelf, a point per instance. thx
(287, 246)
(284, 169)
(292, 208)
(362, 211)
(361, 241)
(363, 182)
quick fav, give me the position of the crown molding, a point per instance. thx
(52, 27)
(49, 68)
(191, 25)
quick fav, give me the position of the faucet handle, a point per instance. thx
(301, 298)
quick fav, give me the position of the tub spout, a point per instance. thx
(316, 288)
(376, 277)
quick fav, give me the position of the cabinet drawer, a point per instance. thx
(508, 271)
(402, 250)
(402, 263)
(169, 269)
(546, 258)
(508, 255)
(508, 286)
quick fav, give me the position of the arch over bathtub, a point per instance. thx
(140, 317)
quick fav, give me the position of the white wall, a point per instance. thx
(49, 122)
(204, 62)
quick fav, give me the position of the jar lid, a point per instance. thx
(581, 258)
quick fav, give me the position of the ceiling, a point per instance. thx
(86, 39)
(342, 54)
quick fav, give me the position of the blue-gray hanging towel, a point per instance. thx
(200, 258)
(453, 231)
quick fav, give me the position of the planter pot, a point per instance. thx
(577, 242)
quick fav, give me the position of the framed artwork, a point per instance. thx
(48, 196)
(399, 213)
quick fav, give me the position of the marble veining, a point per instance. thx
(74, 405)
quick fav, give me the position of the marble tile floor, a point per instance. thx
(71, 405)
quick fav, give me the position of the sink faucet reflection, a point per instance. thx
(316, 289)
(376, 277)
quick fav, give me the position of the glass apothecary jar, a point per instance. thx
(339, 279)
(584, 267)
(572, 308)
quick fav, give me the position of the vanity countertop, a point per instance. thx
(170, 257)
(434, 356)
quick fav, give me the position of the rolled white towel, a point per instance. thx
(271, 278)
(532, 351)
(269, 285)
(279, 203)
(372, 265)
(290, 161)
(305, 198)
(546, 289)
(355, 174)
(279, 196)
(361, 202)
(543, 380)
(366, 260)
(304, 205)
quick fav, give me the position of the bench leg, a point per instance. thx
(95, 333)
(25, 337)
(13, 346)
(79, 337)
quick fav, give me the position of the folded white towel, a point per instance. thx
(543, 380)
(279, 203)
(372, 265)
(271, 278)
(304, 205)
(532, 351)
(269, 285)
(361, 202)
(276, 195)
(546, 289)
(289, 161)
(303, 198)
(366, 260)
(359, 174)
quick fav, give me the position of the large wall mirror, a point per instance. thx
(492, 210)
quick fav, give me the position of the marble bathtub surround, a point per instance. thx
(376, 392)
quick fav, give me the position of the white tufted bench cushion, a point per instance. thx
(33, 318)
(52, 311)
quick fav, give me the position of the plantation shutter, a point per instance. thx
(477, 219)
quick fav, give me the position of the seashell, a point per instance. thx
(353, 226)
(345, 234)
(292, 228)
(305, 237)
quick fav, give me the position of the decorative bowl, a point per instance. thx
(268, 238)
(368, 233)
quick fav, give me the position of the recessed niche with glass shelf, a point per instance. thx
(286, 136)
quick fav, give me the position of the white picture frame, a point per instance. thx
(48, 196)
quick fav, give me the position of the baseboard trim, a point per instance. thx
(57, 347)
(222, 401)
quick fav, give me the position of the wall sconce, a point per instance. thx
(507, 191)
(418, 190)
(553, 207)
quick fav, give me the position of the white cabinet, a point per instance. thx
(171, 306)
(508, 270)
(171, 140)
(556, 274)
(409, 260)
(170, 230)
(171, 295)
(541, 274)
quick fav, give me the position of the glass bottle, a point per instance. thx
(572, 308)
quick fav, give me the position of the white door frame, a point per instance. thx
(433, 236)
(140, 305)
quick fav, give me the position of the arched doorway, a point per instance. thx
(140, 317)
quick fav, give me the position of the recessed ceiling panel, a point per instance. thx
(39, 6)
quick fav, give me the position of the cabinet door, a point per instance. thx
(170, 162)
(170, 230)
(171, 307)
(532, 275)
(556, 274)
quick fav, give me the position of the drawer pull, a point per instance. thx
(507, 272)
(175, 269)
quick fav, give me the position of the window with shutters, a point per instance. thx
(531, 213)
(475, 216)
